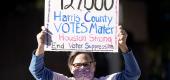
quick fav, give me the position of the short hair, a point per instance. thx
(75, 53)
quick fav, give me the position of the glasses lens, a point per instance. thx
(82, 64)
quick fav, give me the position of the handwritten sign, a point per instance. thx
(83, 25)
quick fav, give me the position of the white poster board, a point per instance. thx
(83, 25)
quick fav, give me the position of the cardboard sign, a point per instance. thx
(83, 25)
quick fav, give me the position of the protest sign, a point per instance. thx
(83, 25)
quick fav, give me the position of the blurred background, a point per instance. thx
(146, 21)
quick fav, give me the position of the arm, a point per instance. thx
(37, 68)
(132, 70)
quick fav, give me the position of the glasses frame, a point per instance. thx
(86, 64)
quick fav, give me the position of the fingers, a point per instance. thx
(121, 31)
(41, 37)
(45, 30)
(120, 27)
(122, 35)
(41, 34)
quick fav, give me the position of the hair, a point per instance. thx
(74, 54)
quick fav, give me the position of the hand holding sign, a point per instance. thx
(41, 40)
(122, 36)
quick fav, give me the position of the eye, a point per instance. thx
(85, 64)
(77, 64)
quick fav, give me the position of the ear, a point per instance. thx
(94, 66)
(71, 69)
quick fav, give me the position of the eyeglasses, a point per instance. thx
(86, 64)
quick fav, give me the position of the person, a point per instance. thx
(82, 64)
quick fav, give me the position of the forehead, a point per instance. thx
(82, 58)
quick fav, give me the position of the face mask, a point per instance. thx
(83, 73)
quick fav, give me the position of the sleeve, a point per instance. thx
(38, 70)
(132, 70)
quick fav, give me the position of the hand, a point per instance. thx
(122, 36)
(41, 42)
(41, 37)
